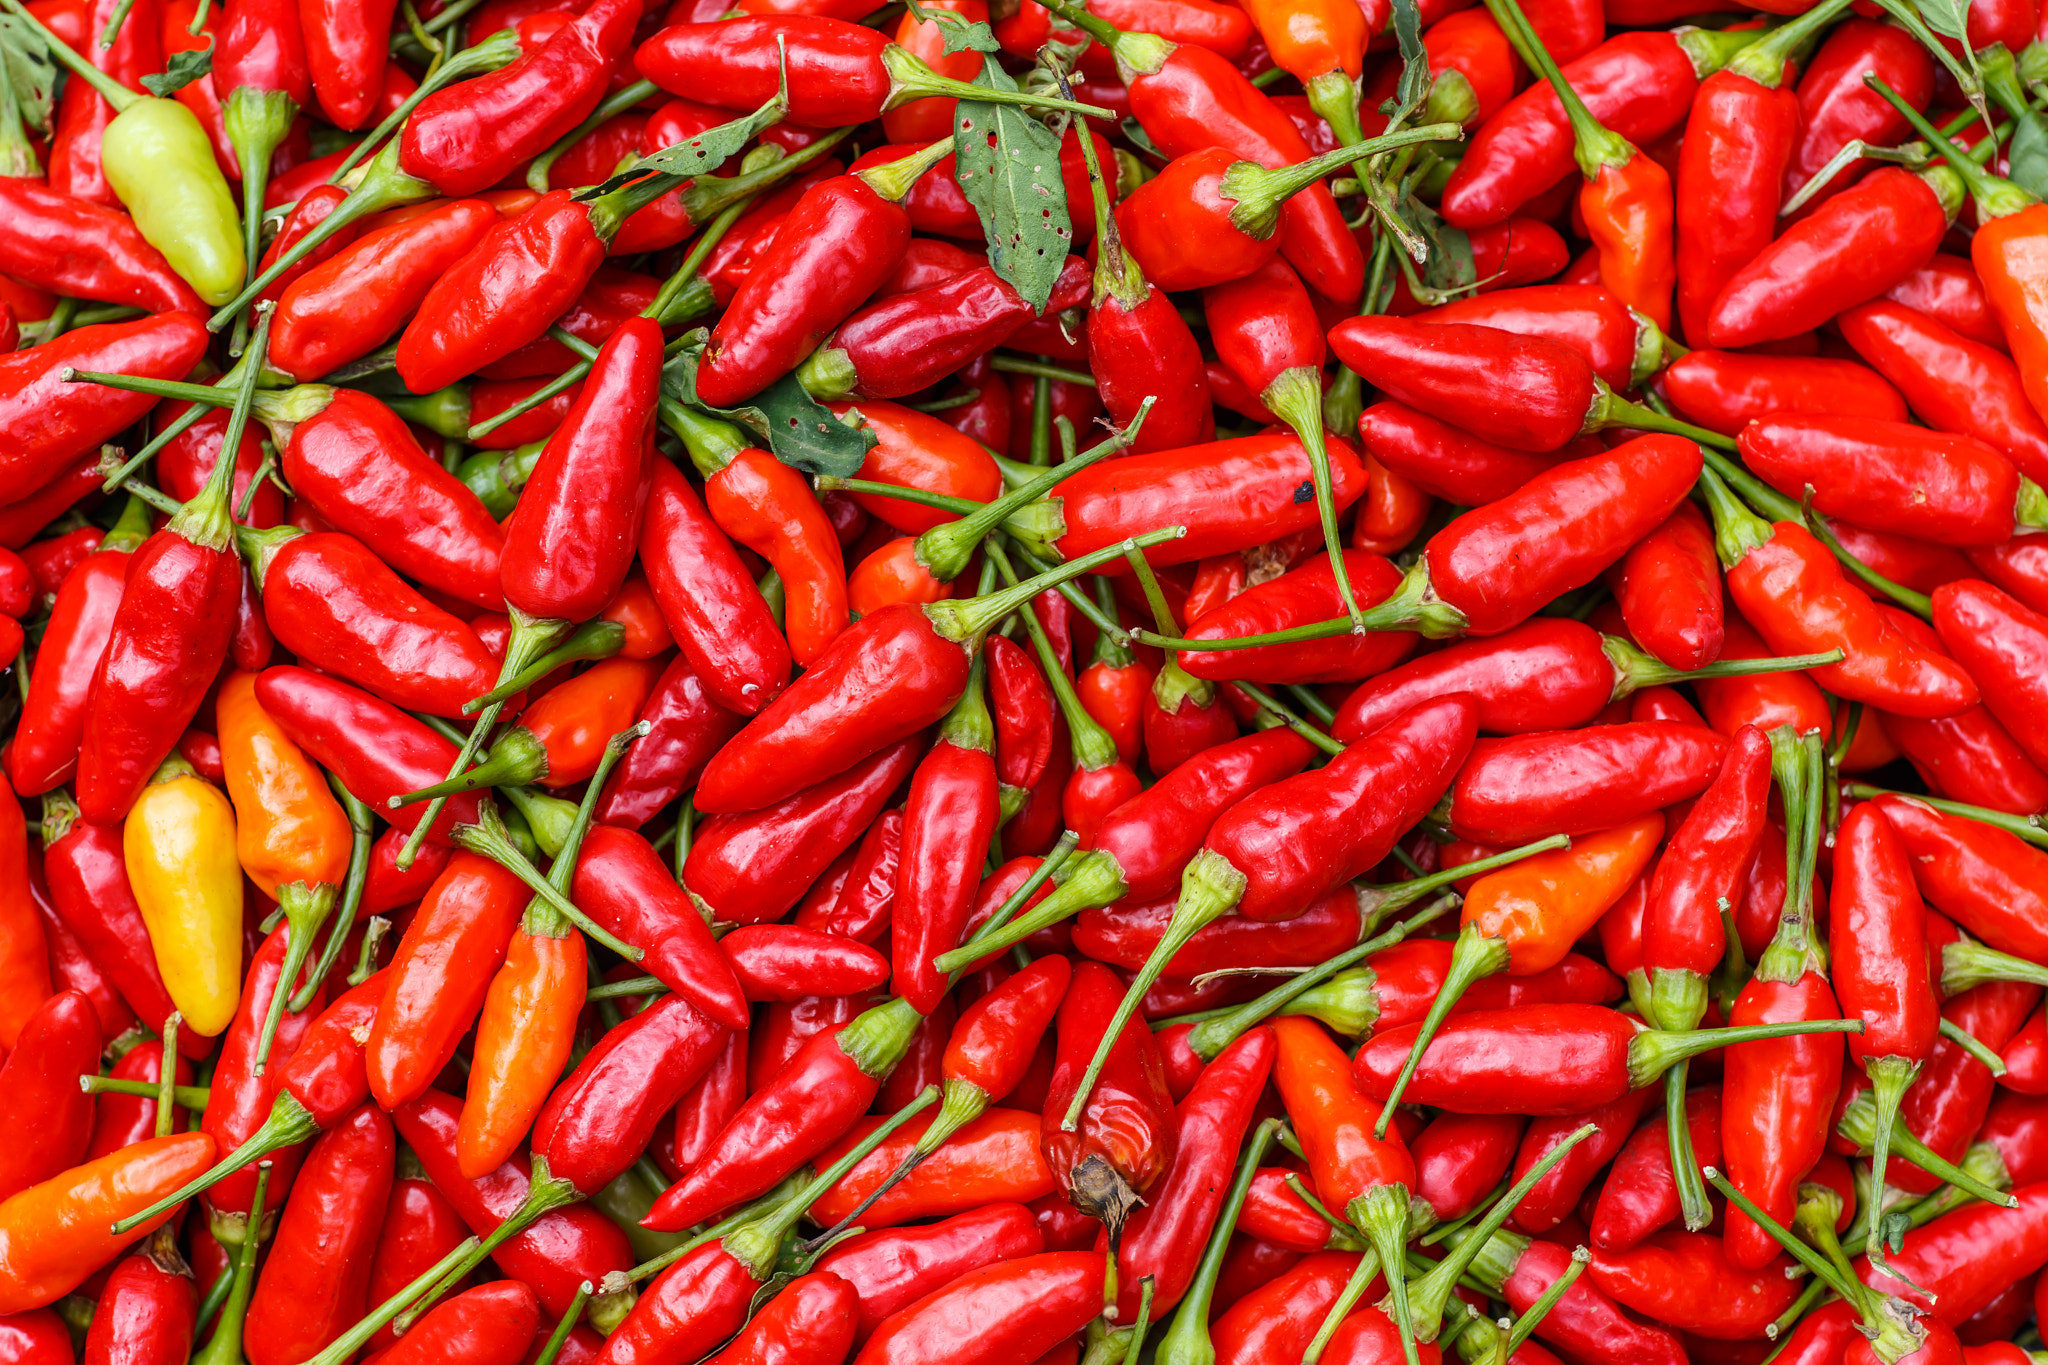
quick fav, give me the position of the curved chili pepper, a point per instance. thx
(994, 1159)
(1555, 1195)
(602, 1116)
(496, 1321)
(811, 1103)
(1684, 1280)
(1640, 1196)
(766, 506)
(243, 1094)
(361, 468)
(55, 1234)
(709, 600)
(555, 1252)
(1836, 107)
(420, 1228)
(1791, 589)
(316, 1279)
(89, 884)
(1308, 593)
(1852, 249)
(1966, 1258)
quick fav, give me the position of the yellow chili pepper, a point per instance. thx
(159, 161)
(288, 826)
(179, 847)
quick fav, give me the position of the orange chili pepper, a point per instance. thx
(574, 721)
(1524, 918)
(639, 614)
(1321, 43)
(288, 826)
(529, 1014)
(24, 953)
(1391, 513)
(890, 575)
(925, 120)
(53, 1236)
(917, 450)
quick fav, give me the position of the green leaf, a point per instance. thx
(1950, 18)
(2029, 153)
(183, 69)
(792, 425)
(31, 71)
(1413, 87)
(701, 154)
(1008, 165)
(958, 34)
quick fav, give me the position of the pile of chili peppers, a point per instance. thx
(1150, 680)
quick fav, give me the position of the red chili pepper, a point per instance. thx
(50, 423)
(994, 1159)
(146, 1312)
(1836, 107)
(1307, 594)
(554, 1253)
(360, 467)
(1669, 590)
(1447, 461)
(316, 1279)
(1584, 1322)
(1966, 1258)
(1854, 247)
(604, 1114)
(1684, 1280)
(244, 1094)
(892, 1269)
(709, 600)
(1640, 1196)
(859, 907)
(493, 1322)
(1127, 1133)
(811, 1103)
(1725, 391)
(948, 820)
(49, 1118)
(1640, 85)
(420, 1228)
(81, 249)
(1791, 589)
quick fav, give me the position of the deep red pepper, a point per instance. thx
(860, 906)
(316, 1280)
(1639, 1195)
(892, 1269)
(88, 882)
(1726, 390)
(1669, 590)
(49, 1118)
(82, 249)
(493, 1322)
(1300, 596)
(1836, 107)
(686, 728)
(242, 1096)
(602, 1116)
(146, 1312)
(1556, 1195)
(83, 114)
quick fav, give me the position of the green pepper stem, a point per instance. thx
(967, 621)
(288, 1124)
(997, 932)
(1094, 747)
(1187, 1341)
(108, 89)
(2028, 827)
(382, 186)
(1375, 903)
(488, 838)
(1552, 1295)
(961, 1103)
(1636, 668)
(516, 757)
(1476, 954)
(362, 834)
(225, 1346)
(946, 548)
(256, 121)
(192, 1097)
(911, 79)
(305, 908)
(1796, 762)
(1209, 889)
(599, 639)
(1966, 964)
(167, 1074)
(1296, 398)
(1593, 145)
(1654, 1051)
(1257, 193)
(1685, 1166)
(207, 521)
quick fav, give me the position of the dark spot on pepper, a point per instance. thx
(1305, 493)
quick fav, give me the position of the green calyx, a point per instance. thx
(1652, 1052)
(1763, 61)
(1798, 763)
(968, 725)
(1678, 999)
(1087, 881)
(1996, 196)
(968, 621)
(878, 1038)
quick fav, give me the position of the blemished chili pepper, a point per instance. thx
(50, 422)
(55, 1234)
(49, 1118)
(315, 1282)
(860, 906)
(1128, 1132)
(602, 1116)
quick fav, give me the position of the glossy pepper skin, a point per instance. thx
(359, 465)
(571, 540)
(241, 1098)
(49, 1119)
(709, 600)
(467, 138)
(891, 1269)
(88, 879)
(1946, 489)
(622, 884)
(1014, 1311)
(345, 47)
(55, 1234)
(85, 250)
(1129, 1132)
(1516, 789)
(315, 1283)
